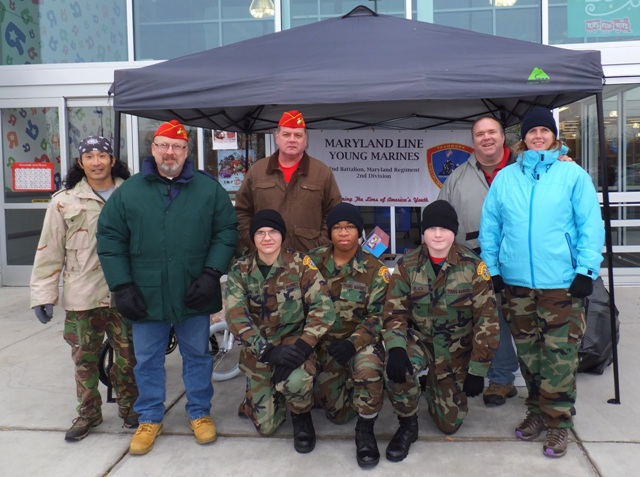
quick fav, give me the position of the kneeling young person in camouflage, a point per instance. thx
(350, 362)
(440, 314)
(279, 307)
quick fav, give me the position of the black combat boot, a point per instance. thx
(367, 453)
(304, 435)
(406, 435)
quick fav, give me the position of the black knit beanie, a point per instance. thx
(347, 212)
(536, 117)
(439, 214)
(267, 218)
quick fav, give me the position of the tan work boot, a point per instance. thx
(497, 394)
(204, 430)
(142, 441)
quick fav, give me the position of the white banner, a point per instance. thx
(390, 168)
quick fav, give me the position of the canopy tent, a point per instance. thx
(367, 70)
(360, 70)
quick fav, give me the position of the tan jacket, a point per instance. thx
(304, 203)
(68, 241)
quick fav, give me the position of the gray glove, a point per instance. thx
(44, 313)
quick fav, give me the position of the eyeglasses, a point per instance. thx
(341, 228)
(165, 147)
(260, 235)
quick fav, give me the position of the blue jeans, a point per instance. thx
(150, 340)
(505, 362)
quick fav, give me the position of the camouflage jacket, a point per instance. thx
(292, 301)
(455, 311)
(68, 241)
(358, 290)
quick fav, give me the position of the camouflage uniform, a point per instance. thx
(546, 324)
(84, 331)
(291, 302)
(358, 290)
(447, 323)
(68, 245)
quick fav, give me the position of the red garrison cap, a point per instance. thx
(173, 129)
(292, 119)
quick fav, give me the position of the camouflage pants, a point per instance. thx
(447, 403)
(84, 331)
(547, 326)
(344, 391)
(266, 403)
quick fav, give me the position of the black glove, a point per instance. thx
(581, 286)
(289, 356)
(203, 289)
(498, 283)
(303, 347)
(44, 313)
(129, 301)
(473, 385)
(280, 373)
(398, 365)
(342, 351)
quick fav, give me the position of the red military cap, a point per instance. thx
(292, 119)
(173, 129)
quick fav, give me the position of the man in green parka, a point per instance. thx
(164, 241)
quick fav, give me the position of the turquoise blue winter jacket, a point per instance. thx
(541, 223)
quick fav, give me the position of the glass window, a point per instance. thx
(29, 135)
(93, 121)
(63, 32)
(302, 12)
(631, 105)
(572, 21)
(162, 31)
(520, 20)
(230, 165)
(23, 228)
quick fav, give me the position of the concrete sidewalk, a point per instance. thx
(37, 400)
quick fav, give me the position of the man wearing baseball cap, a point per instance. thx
(68, 242)
(301, 188)
(164, 240)
(440, 315)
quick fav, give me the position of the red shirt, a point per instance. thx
(288, 171)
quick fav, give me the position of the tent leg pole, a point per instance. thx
(116, 134)
(609, 247)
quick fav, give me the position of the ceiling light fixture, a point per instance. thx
(503, 3)
(262, 8)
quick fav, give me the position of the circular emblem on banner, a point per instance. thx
(443, 159)
(483, 271)
(309, 263)
(384, 273)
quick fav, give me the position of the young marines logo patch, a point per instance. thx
(483, 271)
(309, 263)
(384, 273)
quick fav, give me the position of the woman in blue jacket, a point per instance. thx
(541, 236)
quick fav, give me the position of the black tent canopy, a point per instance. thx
(360, 70)
(367, 70)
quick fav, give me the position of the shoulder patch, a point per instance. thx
(384, 273)
(309, 263)
(483, 271)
